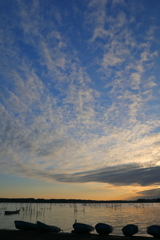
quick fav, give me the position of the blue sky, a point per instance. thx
(80, 99)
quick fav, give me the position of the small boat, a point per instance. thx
(82, 228)
(103, 229)
(27, 226)
(129, 230)
(47, 228)
(154, 230)
(11, 212)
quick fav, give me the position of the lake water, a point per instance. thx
(64, 215)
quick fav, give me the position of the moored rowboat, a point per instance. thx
(103, 229)
(154, 230)
(82, 228)
(27, 226)
(47, 228)
(11, 212)
(129, 230)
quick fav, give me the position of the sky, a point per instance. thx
(80, 99)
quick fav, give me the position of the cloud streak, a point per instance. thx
(117, 175)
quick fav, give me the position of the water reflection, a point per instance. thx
(64, 215)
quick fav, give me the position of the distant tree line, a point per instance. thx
(41, 200)
(148, 200)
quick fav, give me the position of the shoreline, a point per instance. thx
(74, 201)
(33, 235)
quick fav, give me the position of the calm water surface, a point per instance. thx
(64, 215)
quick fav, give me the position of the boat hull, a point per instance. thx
(11, 212)
(103, 229)
(26, 226)
(47, 228)
(154, 230)
(129, 230)
(82, 228)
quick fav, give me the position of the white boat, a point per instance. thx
(154, 230)
(47, 228)
(27, 226)
(129, 230)
(82, 228)
(103, 229)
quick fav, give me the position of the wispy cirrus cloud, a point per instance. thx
(71, 106)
